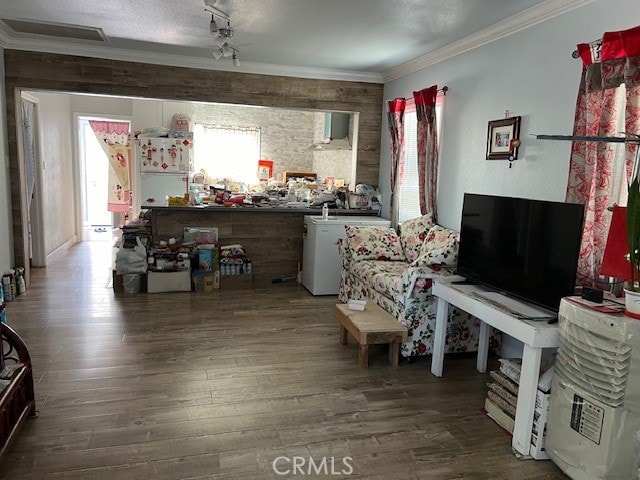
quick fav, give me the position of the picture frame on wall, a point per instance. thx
(503, 139)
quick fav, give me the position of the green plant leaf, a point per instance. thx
(633, 229)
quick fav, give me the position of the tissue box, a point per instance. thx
(357, 305)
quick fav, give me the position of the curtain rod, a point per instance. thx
(444, 90)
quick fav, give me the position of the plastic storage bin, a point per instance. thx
(131, 282)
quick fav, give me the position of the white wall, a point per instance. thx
(101, 106)
(6, 235)
(532, 75)
(55, 126)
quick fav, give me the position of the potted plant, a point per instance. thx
(632, 292)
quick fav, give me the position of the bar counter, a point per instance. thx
(271, 236)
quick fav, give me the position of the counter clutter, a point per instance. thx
(195, 262)
(296, 190)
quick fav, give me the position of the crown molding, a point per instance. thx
(111, 53)
(533, 16)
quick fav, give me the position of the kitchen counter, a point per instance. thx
(271, 236)
(301, 210)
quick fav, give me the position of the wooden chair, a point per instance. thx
(17, 399)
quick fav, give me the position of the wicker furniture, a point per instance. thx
(17, 400)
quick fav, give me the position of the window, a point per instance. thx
(619, 186)
(227, 152)
(409, 203)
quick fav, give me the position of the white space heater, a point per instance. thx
(593, 430)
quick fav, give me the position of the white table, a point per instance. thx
(535, 335)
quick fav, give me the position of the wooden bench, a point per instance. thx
(371, 326)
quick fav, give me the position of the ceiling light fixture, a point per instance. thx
(222, 35)
(226, 32)
(213, 27)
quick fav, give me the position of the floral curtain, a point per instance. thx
(115, 141)
(608, 64)
(395, 119)
(427, 149)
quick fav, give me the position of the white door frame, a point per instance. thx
(36, 224)
(78, 162)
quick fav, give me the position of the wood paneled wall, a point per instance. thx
(272, 240)
(66, 73)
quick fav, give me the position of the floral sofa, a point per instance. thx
(397, 271)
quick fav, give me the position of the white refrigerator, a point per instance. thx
(320, 258)
(164, 164)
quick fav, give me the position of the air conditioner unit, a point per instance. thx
(593, 430)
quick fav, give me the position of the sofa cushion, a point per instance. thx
(439, 248)
(384, 277)
(373, 243)
(412, 235)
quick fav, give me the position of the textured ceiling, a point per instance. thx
(370, 36)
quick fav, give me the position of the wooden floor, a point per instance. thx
(187, 385)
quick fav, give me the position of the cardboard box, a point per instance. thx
(237, 282)
(158, 282)
(539, 431)
(208, 258)
(206, 282)
(118, 286)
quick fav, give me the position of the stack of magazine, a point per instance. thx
(502, 399)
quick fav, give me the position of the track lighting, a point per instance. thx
(221, 35)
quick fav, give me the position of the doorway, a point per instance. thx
(97, 221)
(28, 141)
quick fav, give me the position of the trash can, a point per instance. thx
(131, 282)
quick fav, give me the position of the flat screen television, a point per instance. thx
(524, 248)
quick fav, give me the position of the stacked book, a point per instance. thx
(502, 398)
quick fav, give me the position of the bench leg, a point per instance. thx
(344, 334)
(363, 355)
(394, 353)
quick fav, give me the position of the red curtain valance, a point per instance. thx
(612, 60)
(397, 105)
(426, 96)
(622, 44)
(425, 99)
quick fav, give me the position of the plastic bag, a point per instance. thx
(132, 260)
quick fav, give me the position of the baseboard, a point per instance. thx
(58, 252)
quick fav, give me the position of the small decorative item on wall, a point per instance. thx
(503, 139)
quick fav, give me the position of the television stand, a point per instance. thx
(463, 282)
(535, 335)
